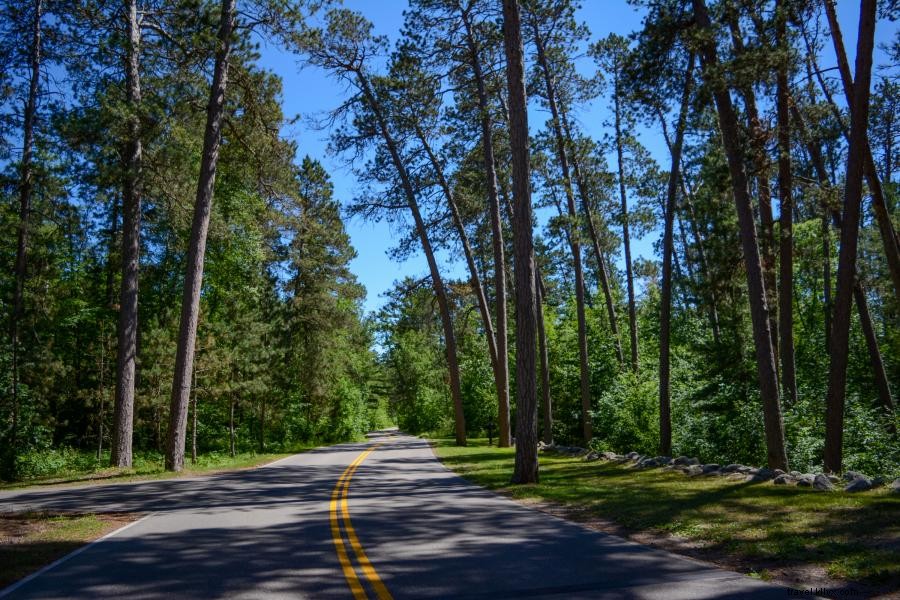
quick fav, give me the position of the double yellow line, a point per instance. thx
(340, 512)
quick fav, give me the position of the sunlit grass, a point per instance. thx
(853, 536)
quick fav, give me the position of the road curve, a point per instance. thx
(279, 532)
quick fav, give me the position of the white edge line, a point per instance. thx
(12, 588)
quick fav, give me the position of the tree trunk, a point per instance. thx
(475, 280)
(262, 425)
(786, 209)
(190, 304)
(765, 357)
(126, 354)
(526, 466)
(112, 242)
(501, 372)
(546, 402)
(665, 319)
(231, 427)
(840, 331)
(602, 271)
(26, 185)
(626, 237)
(889, 237)
(574, 234)
(879, 372)
(437, 281)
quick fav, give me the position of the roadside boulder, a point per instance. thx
(783, 479)
(822, 483)
(762, 474)
(693, 470)
(859, 484)
(731, 468)
(806, 480)
(895, 486)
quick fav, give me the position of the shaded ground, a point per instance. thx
(28, 541)
(849, 543)
(145, 470)
(429, 534)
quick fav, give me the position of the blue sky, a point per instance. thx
(309, 92)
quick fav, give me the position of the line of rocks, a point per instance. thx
(852, 481)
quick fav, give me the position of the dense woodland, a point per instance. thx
(176, 273)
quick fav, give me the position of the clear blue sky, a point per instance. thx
(309, 92)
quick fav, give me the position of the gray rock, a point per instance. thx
(783, 479)
(648, 463)
(796, 474)
(710, 468)
(762, 474)
(778, 472)
(851, 475)
(693, 470)
(895, 486)
(822, 483)
(664, 460)
(859, 484)
(731, 468)
(632, 456)
(806, 480)
(609, 456)
(591, 456)
(744, 469)
(681, 460)
(833, 478)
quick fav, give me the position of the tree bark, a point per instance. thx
(626, 237)
(26, 185)
(546, 401)
(882, 384)
(231, 427)
(840, 332)
(889, 238)
(665, 319)
(190, 304)
(574, 234)
(526, 465)
(759, 163)
(501, 371)
(765, 357)
(437, 281)
(602, 270)
(126, 353)
(786, 210)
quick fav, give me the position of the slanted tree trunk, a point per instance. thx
(26, 184)
(765, 357)
(846, 275)
(474, 278)
(626, 235)
(501, 370)
(665, 319)
(574, 234)
(437, 281)
(126, 354)
(193, 280)
(759, 161)
(526, 465)
(786, 209)
(889, 238)
(882, 384)
(602, 271)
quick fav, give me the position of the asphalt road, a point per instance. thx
(416, 531)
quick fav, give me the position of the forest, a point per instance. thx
(177, 275)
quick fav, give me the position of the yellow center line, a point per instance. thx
(340, 511)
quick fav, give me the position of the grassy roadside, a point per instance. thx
(28, 541)
(794, 535)
(153, 468)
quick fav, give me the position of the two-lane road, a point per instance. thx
(372, 520)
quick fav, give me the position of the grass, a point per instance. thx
(147, 467)
(28, 541)
(759, 528)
